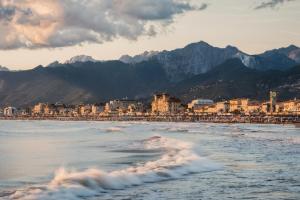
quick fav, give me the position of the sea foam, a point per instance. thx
(178, 159)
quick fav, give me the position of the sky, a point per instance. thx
(35, 32)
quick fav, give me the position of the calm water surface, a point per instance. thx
(127, 160)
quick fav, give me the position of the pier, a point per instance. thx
(171, 118)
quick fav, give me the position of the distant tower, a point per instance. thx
(273, 101)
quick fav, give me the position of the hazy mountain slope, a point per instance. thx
(29, 87)
(292, 52)
(232, 80)
(3, 68)
(81, 82)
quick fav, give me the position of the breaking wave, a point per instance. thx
(178, 159)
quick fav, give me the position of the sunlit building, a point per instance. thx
(119, 106)
(165, 104)
(291, 107)
(238, 105)
(39, 108)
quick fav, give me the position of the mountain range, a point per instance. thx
(198, 70)
(199, 58)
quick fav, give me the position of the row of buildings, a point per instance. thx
(115, 107)
(162, 104)
(246, 106)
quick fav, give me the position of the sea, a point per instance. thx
(56, 160)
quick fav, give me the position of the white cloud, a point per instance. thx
(59, 23)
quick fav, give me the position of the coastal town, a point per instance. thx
(164, 107)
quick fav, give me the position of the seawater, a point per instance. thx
(140, 160)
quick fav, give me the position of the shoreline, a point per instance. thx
(179, 118)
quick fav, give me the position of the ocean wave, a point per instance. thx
(179, 159)
(172, 129)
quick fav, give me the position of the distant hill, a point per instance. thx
(81, 82)
(233, 79)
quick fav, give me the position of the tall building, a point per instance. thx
(165, 104)
(39, 108)
(9, 111)
(273, 101)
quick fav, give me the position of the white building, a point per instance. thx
(9, 111)
(200, 103)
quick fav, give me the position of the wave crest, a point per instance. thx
(179, 159)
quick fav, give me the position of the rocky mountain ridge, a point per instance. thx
(201, 57)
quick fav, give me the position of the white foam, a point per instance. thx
(178, 160)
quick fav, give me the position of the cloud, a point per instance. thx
(60, 23)
(271, 4)
(203, 6)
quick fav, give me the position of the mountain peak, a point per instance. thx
(292, 47)
(138, 58)
(80, 58)
(53, 64)
(198, 44)
(3, 68)
(203, 43)
(231, 47)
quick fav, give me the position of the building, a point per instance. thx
(199, 103)
(212, 109)
(50, 109)
(273, 101)
(253, 107)
(136, 109)
(120, 106)
(291, 107)
(25, 111)
(39, 109)
(9, 111)
(222, 107)
(238, 105)
(98, 108)
(165, 104)
(84, 110)
(61, 109)
(271, 106)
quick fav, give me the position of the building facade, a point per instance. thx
(9, 111)
(39, 109)
(165, 104)
(197, 104)
(120, 106)
(238, 105)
